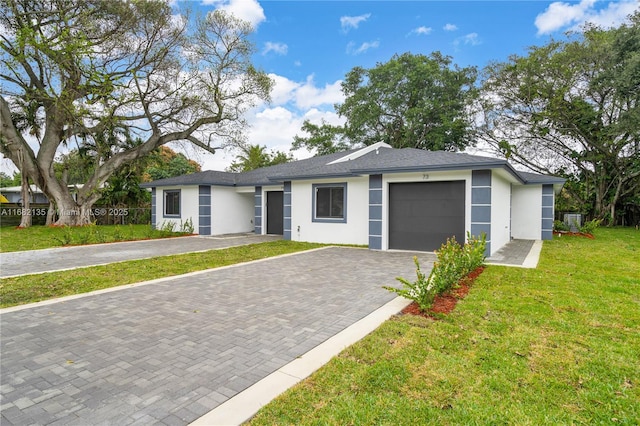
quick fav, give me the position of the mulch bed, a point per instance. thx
(573, 234)
(445, 303)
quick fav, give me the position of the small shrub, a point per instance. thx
(97, 236)
(167, 228)
(418, 291)
(65, 237)
(117, 233)
(454, 262)
(590, 226)
(83, 237)
(560, 226)
(187, 226)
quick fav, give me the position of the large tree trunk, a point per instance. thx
(51, 214)
(25, 193)
(70, 212)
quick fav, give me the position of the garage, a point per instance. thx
(422, 215)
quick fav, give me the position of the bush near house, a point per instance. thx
(454, 263)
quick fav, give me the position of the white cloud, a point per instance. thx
(247, 10)
(348, 22)
(283, 89)
(422, 30)
(353, 50)
(308, 95)
(471, 39)
(305, 95)
(450, 27)
(275, 125)
(278, 48)
(563, 16)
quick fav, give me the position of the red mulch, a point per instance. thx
(574, 234)
(445, 303)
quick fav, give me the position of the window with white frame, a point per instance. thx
(172, 203)
(330, 202)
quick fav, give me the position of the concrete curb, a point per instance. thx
(244, 405)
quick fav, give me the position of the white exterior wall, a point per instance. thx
(500, 212)
(188, 207)
(526, 212)
(354, 231)
(231, 211)
(423, 177)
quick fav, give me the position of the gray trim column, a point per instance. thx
(153, 208)
(375, 212)
(547, 212)
(204, 210)
(481, 206)
(257, 215)
(286, 235)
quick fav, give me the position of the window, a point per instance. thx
(330, 202)
(172, 203)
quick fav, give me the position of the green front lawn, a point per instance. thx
(37, 287)
(559, 344)
(41, 237)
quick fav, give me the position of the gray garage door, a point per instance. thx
(422, 215)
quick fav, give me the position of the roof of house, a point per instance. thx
(374, 159)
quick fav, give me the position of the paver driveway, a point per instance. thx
(60, 258)
(168, 352)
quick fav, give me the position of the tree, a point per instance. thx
(256, 156)
(119, 79)
(572, 108)
(6, 180)
(165, 163)
(412, 101)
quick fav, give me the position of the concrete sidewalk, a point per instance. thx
(169, 351)
(64, 258)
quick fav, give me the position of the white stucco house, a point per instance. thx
(385, 198)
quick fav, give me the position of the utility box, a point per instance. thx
(573, 221)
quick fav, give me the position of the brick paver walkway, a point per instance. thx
(57, 259)
(168, 352)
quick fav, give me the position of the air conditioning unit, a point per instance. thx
(573, 221)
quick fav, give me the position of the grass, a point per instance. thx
(37, 287)
(41, 237)
(559, 344)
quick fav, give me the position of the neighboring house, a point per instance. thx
(13, 194)
(385, 198)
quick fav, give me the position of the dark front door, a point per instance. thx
(275, 212)
(422, 215)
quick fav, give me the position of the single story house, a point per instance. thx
(385, 198)
(13, 194)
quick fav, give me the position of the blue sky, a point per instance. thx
(308, 46)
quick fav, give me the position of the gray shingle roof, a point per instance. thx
(382, 160)
(536, 178)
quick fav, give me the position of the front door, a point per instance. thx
(275, 212)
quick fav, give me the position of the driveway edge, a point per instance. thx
(154, 281)
(246, 404)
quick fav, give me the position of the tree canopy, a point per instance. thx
(412, 101)
(573, 108)
(254, 157)
(118, 79)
